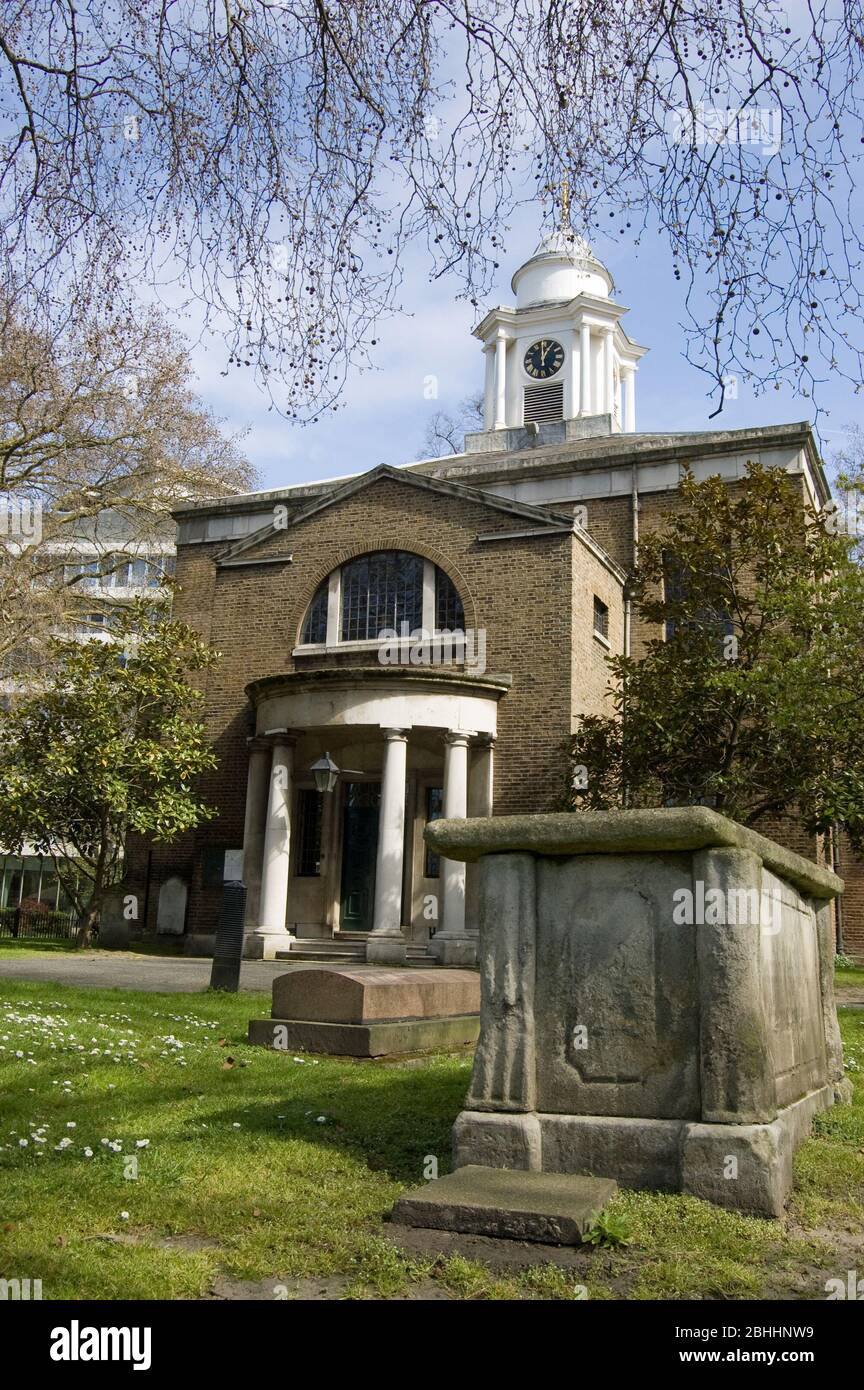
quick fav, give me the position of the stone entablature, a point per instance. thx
(380, 697)
(587, 461)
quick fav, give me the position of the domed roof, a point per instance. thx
(562, 267)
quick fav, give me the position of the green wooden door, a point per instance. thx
(359, 851)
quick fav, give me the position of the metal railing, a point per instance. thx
(28, 923)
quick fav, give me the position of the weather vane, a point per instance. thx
(565, 203)
(563, 190)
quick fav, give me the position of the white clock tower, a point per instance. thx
(561, 354)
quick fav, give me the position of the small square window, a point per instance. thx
(601, 619)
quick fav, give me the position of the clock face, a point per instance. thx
(544, 359)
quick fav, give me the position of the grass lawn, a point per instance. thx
(849, 978)
(16, 948)
(257, 1166)
(13, 949)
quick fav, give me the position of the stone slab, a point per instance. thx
(623, 832)
(554, 1208)
(742, 1167)
(383, 1039)
(370, 996)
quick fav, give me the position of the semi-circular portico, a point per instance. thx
(401, 738)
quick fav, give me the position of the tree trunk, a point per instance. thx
(88, 924)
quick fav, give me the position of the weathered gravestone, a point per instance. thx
(370, 1011)
(657, 1001)
(114, 921)
(171, 914)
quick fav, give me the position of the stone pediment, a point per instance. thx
(284, 520)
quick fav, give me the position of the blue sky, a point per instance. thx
(385, 414)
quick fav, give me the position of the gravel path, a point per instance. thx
(124, 970)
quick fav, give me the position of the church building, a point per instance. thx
(420, 641)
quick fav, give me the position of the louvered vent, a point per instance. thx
(544, 402)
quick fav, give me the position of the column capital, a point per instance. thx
(257, 743)
(457, 739)
(395, 735)
(285, 736)
(484, 740)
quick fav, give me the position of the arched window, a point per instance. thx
(315, 625)
(381, 592)
(449, 613)
(386, 591)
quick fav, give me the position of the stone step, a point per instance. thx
(554, 1208)
(328, 943)
(338, 953)
(350, 947)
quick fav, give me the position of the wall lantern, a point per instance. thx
(325, 773)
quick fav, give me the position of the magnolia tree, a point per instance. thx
(111, 743)
(750, 697)
(273, 159)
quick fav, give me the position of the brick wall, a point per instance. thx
(533, 595)
(850, 867)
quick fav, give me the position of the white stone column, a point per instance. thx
(608, 382)
(451, 944)
(386, 941)
(629, 399)
(489, 387)
(257, 779)
(481, 778)
(271, 934)
(500, 383)
(585, 369)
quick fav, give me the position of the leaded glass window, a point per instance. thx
(381, 591)
(315, 626)
(449, 614)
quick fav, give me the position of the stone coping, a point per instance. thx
(662, 829)
(491, 685)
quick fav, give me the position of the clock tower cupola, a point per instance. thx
(558, 363)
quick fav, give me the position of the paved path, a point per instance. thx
(123, 970)
(190, 975)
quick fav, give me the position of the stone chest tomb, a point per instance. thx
(657, 1001)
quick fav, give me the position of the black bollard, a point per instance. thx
(228, 951)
